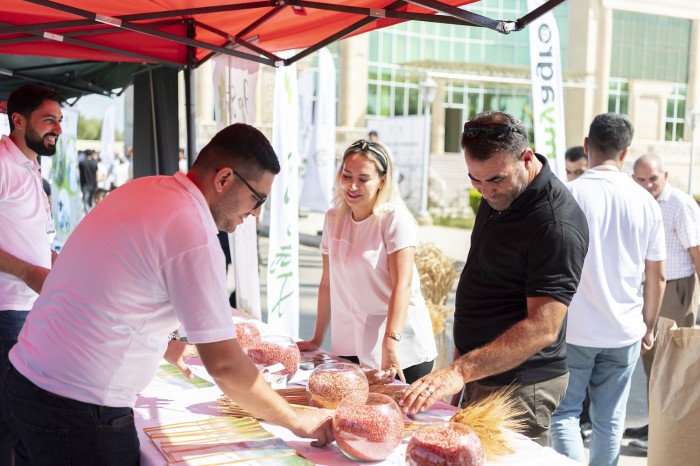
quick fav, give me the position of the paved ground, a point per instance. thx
(455, 244)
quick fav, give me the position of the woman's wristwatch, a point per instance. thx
(393, 335)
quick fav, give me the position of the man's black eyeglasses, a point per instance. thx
(260, 199)
(493, 131)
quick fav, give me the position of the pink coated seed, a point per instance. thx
(267, 354)
(444, 445)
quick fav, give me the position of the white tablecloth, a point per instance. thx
(167, 403)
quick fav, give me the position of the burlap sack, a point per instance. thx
(674, 397)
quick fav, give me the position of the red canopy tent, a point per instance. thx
(186, 32)
(59, 42)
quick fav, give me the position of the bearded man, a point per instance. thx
(35, 118)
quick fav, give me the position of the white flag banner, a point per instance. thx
(66, 197)
(235, 81)
(109, 122)
(305, 86)
(404, 138)
(4, 124)
(547, 91)
(319, 178)
(283, 255)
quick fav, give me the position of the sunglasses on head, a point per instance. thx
(367, 146)
(259, 198)
(493, 131)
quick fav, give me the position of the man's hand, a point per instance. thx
(316, 424)
(32, 275)
(177, 352)
(423, 393)
(3, 106)
(647, 342)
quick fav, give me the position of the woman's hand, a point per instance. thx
(309, 345)
(391, 364)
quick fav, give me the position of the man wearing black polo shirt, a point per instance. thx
(528, 245)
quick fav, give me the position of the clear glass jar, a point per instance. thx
(445, 444)
(268, 350)
(368, 430)
(330, 383)
(246, 333)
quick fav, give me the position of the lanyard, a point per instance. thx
(39, 184)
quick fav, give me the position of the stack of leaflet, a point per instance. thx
(222, 440)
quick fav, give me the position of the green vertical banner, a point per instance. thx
(283, 254)
(547, 90)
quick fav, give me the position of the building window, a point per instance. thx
(313, 68)
(618, 96)
(650, 47)
(396, 53)
(464, 99)
(675, 113)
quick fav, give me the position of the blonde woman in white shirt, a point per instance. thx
(370, 287)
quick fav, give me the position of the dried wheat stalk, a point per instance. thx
(437, 276)
(490, 417)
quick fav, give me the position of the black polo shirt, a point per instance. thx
(534, 248)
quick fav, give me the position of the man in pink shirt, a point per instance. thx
(35, 118)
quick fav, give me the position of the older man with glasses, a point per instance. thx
(528, 246)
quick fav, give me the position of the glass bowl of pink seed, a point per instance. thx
(331, 382)
(445, 444)
(246, 333)
(368, 430)
(268, 350)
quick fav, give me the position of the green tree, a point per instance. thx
(89, 128)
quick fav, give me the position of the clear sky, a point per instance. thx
(94, 106)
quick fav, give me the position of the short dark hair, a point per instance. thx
(610, 133)
(25, 99)
(241, 147)
(575, 153)
(482, 148)
(373, 133)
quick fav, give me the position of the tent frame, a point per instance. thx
(241, 45)
(245, 39)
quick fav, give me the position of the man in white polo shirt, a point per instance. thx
(145, 261)
(613, 315)
(34, 113)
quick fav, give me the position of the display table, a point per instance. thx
(169, 399)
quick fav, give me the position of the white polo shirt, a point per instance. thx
(625, 229)
(25, 221)
(144, 260)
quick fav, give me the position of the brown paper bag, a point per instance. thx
(674, 397)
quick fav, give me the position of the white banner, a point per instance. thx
(319, 178)
(404, 138)
(235, 81)
(66, 197)
(107, 136)
(305, 87)
(547, 91)
(283, 255)
(4, 124)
